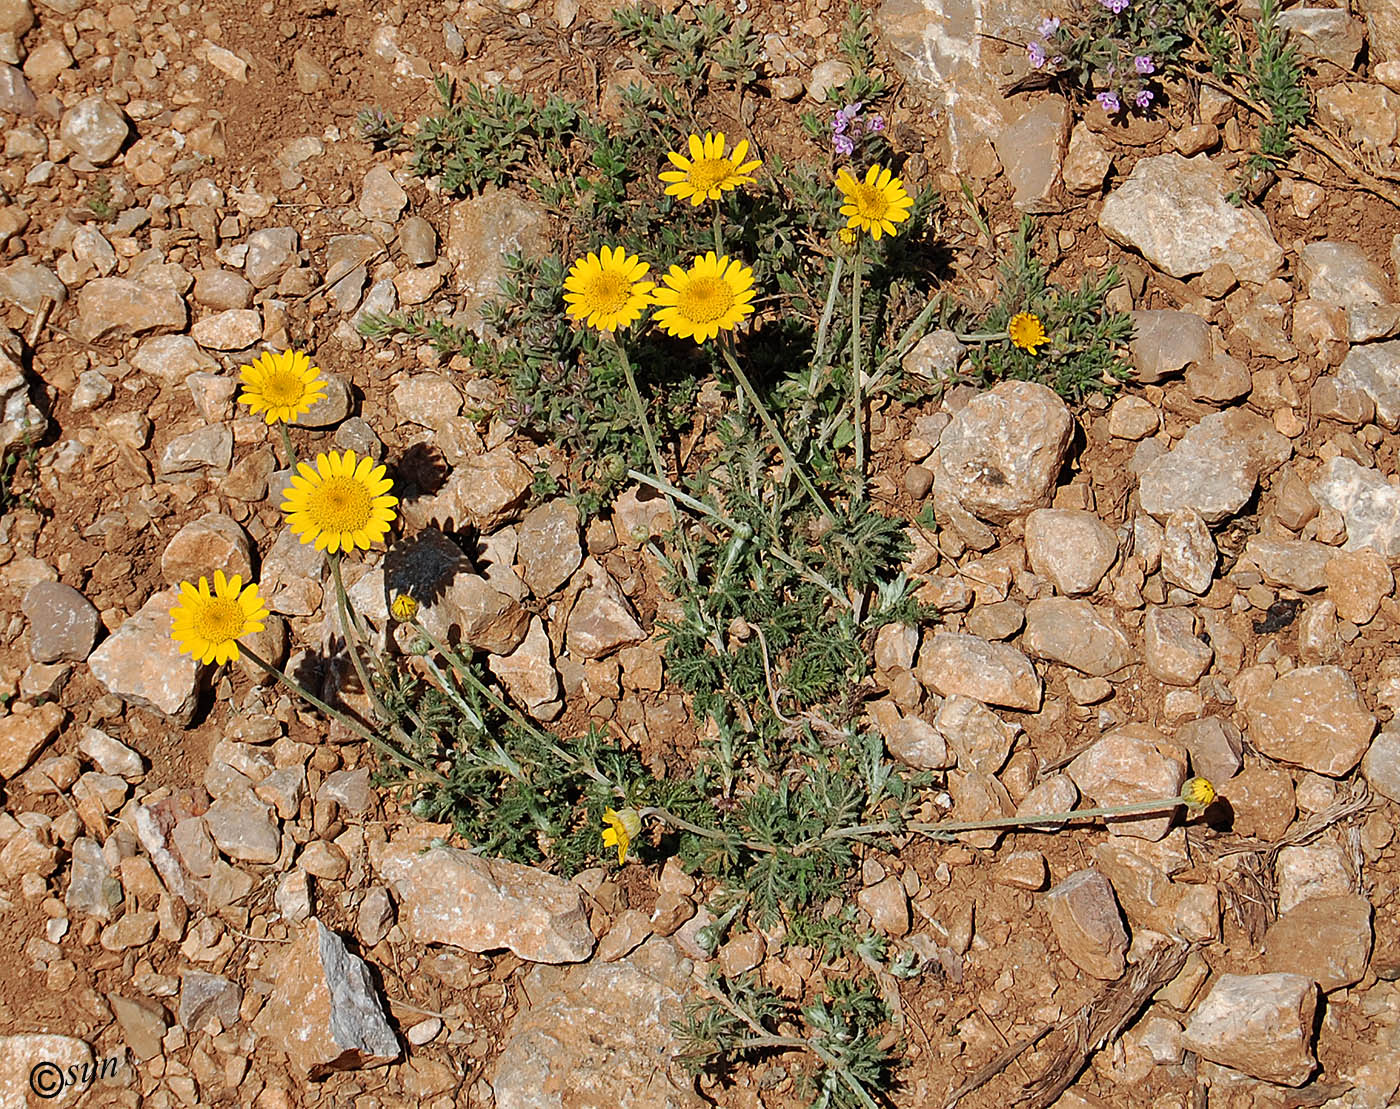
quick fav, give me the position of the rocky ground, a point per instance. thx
(199, 879)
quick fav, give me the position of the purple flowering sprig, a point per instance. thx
(849, 126)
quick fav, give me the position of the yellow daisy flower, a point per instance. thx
(1198, 793)
(208, 624)
(606, 290)
(622, 828)
(875, 204)
(710, 297)
(708, 172)
(403, 608)
(340, 505)
(285, 386)
(1027, 332)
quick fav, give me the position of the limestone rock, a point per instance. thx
(602, 620)
(603, 1027)
(1134, 763)
(34, 1068)
(1261, 1024)
(1312, 717)
(117, 307)
(1166, 342)
(1031, 151)
(1174, 210)
(1077, 634)
(549, 546)
(447, 895)
(993, 673)
(1381, 766)
(528, 673)
(95, 129)
(381, 197)
(980, 738)
(325, 1011)
(1001, 454)
(909, 738)
(63, 624)
(1374, 369)
(1213, 471)
(1071, 547)
(143, 666)
(481, 233)
(1368, 503)
(1171, 648)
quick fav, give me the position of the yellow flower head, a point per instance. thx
(708, 172)
(875, 204)
(403, 608)
(1198, 793)
(710, 297)
(1027, 332)
(284, 386)
(622, 828)
(340, 505)
(606, 290)
(208, 624)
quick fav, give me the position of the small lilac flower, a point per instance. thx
(1143, 98)
(1036, 52)
(1110, 102)
(1115, 6)
(1144, 64)
(838, 125)
(843, 145)
(1049, 27)
(875, 123)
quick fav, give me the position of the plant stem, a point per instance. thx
(719, 233)
(642, 421)
(287, 447)
(827, 313)
(349, 721)
(857, 405)
(788, 456)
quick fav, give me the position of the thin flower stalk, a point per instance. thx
(788, 456)
(827, 313)
(857, 402)
(377, 741)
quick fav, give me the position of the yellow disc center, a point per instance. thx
(219, 620)
(340, 504)
(609, 292)
(870, 202)
(284, 388)
(706, 299)
(707, 173)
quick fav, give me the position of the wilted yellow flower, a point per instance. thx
(622, 828)
(341, 504)
(284, 386)
(710, 297)
(1198, 793)
(403, 608)
(875, 204)
(708, 172)
(606, 290)
(208, 624)
(1027, 332)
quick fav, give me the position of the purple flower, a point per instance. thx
(838, 125)
(875, 123)
(1110, 102)
(1049, 27)
(1143, 98)
(843, 145)
(1115, 6)
(1144, 64)
(1036, 52)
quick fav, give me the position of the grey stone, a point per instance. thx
(448, 895)
(602, 619)
(244, 830)
(1174, 210)
(418, 241)
(210, 447)
(1374, 368)
(1071, 547)
(143, 666)
(1077, 634)
(1312, 717)
(1031, 151)
(1381, 766)
(993, 673)
(381, 197)
(26, 283)
(549, 550)
(1087, 924)
(95, 129)
(1340, 273)
(222, 290)
(1134, 763)
(16, 97)
(234, 329)
(1261, 1024)
(1166, 342)
(1001, 454)
(935, 357)
(331, 409)
(172, 358)
(92, 889)
(1215, 746)
(1328, 33)
(950, 50)
(271, 251)
(116, 307)
(1368, 503)
(481, 233)
(204, 995)
(63, 624)
(1215, 468)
